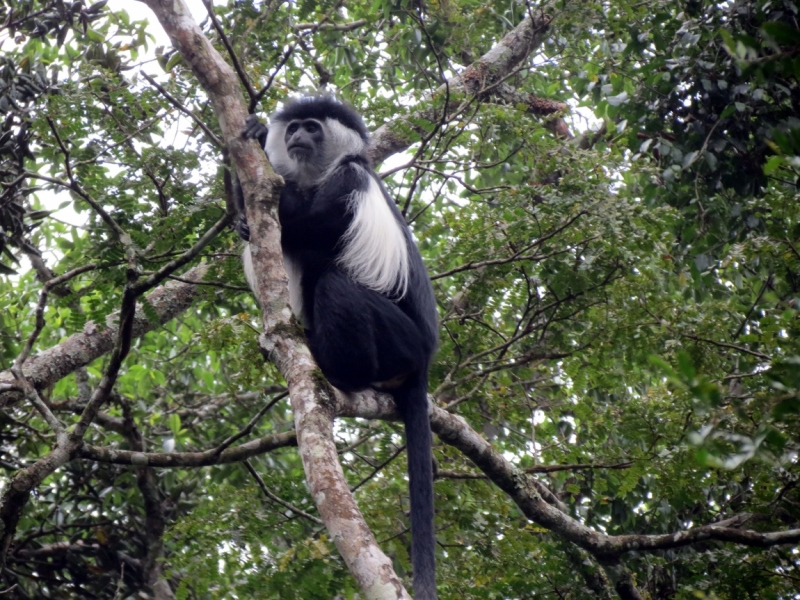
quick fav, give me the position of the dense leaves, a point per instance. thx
(619, 310)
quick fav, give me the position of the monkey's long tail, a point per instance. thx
(412, 402)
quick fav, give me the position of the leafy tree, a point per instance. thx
(606, 198)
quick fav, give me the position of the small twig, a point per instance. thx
(219, 284)
(118, 593)
(73, 185)
(378, 468)
(277, 499)
(697, 338)
(249, 427)
(764, 287)
(330, 26)
(248, 86)
(49, 285)
(537, 469)
(177, 104)
(126, 140)
(39, 404)
(516, 257)
(743, 375)
(154, 279)
(254, 100)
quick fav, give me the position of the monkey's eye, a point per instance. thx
(292, 128)
(311, 127)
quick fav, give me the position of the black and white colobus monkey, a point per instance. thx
(357, 282)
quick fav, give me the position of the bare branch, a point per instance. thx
(277, 499)
(75, 187)
(532, 496)
(538, 469)
(239, 453)
(248, 86)
(249, 427)
(330, 26)
(213, 137)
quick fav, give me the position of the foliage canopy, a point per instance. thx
(619, 307)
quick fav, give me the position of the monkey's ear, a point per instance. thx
(255, 130)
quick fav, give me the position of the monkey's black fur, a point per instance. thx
(371, 322)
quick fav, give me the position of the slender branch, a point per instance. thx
(36, 400)
(154, 279)
(537, 469)
(277, 499)
(40, 322)
(254, 100)
(249, 427)
(330, 26)
(514, 258)
(697, 338)
(536, 501)
(248, 86)
(262, 445)
(764, 286)
(378, 468)
(75, 187)
(181, 107)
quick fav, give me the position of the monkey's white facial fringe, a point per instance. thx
(375, 250)
(341, 141)
(276, 150)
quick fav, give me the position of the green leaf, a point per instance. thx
(772, 164)
(781, 32)
(686, 366)
(786, 407)
(95, 36)
(662, 364)
(728, 41)
(174, 423)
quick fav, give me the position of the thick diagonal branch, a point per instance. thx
(80, 349)
(483, 76)
(533, 498)
(283, 341)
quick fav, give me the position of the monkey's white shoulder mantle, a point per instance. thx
(375, 248)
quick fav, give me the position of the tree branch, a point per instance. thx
(277, 499)
(282, 341)
(80, 349)
(532, 496)
(239, 453)
(487, 71)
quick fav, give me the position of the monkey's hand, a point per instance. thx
(240, 225)
(242, 228)
(255, 130)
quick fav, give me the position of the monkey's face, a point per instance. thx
(305, 140)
